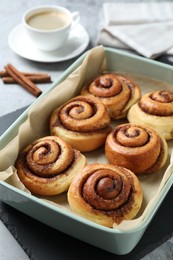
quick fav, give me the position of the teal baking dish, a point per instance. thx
(117, 241)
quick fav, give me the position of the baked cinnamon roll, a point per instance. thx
(83, 122)
(137, 147)
(105, 194)
(48, 165)
(156, 110)
(116, 92)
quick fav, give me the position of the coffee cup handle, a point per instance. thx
(76, 19)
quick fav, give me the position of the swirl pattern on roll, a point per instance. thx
(106, 194)
(83, 114)
(159, 103)
(137, 147)
(79, 120)
(117, 93)
(48, 165)
(156, 110)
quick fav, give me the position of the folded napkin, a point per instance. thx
(146, 28)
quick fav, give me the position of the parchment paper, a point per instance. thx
(37, 125)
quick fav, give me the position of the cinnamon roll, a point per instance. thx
(83, 122)
(137, 147)
(105, 194)
(156, 110)
(48, 165)
(117, 93)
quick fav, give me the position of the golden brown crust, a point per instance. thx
(156, 110)
(48, 165)
(116, 92)
(137, 147)
(83, 122)
(105, 194)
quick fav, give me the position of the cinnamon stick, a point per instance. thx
(22, 80)
(34, 78)
(4, 73)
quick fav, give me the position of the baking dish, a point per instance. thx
(116, 240)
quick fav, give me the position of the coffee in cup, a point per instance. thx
(48, 20)
(49, 26)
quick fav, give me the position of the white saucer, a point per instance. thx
(20, 43)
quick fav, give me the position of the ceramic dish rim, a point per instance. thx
(56, 209)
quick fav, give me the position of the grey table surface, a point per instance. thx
(14, 98)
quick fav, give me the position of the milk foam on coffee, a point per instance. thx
(48, 20)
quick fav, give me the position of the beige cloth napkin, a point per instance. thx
(146, 28)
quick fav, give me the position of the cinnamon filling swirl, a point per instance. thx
(116, 92)
(48, 165)
(105, 193)
(159, 103)
(82, 114)
(136, 147)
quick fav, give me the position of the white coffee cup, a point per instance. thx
(48, 26)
